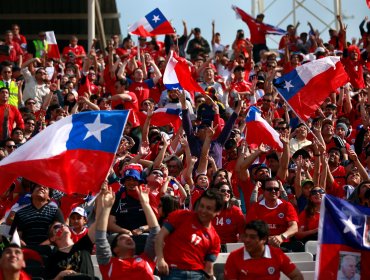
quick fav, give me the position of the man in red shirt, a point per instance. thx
(187, 244)
(118, 261)
(257, 260)
(12, 263)
(15, 51)
(74, 53)
(9, 115)
(280, 215)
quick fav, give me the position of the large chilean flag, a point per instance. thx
(344, 240)
(72, 155)
(307, 86)
(152, 24)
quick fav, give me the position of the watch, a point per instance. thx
(284, 237)
(142, 228)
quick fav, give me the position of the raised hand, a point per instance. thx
(143, 192)
(107, 196)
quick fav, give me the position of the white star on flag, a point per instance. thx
(349, 226)
(95, 128)
(288, 85)
(155, 18)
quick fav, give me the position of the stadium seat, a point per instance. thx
(306, 266)
(233, 246)
(96, 267)
(307, 275)
(300, 256)
(311, 247)
(222, 257)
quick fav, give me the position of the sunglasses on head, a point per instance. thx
(315, 192)
(272, 189)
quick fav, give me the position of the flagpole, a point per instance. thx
(291, 108)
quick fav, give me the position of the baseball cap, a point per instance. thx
(319, 50)
(80, 211)
(133, 173)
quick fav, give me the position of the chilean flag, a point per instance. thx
(344, 238)
(259, 131)
(72, 155)
(163, 117)
(368, 3)
(177, 75)
(307, 86)
(152, 24)
(51, 45)
(270, 29)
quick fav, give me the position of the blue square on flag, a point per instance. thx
(155, 18)
(289, 84)
(96, 130)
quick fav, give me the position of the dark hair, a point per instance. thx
(354, 197)
(260, 227)
(239, 68)
(212, 184)
(272, 155)
(220, 184)
(213, 195)
(169, 204)
(122, 82)
(263, 186)
(338, 150)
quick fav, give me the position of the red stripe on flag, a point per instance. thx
(53, 51)
(258, 134)
(64, 172)
(185, 79)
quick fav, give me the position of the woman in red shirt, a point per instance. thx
(309, 218)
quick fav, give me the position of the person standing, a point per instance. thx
(187, 245)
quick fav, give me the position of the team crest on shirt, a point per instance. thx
(281, 215)
(271, 270)
(138, 259)
(228, 221)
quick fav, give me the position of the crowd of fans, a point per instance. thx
(205, 166)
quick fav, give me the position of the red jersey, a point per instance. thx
(308, 223)
(277, 218)
(133, 105)
(240, 265)
(138, 267)
(77, 50)
(339, 175)
(229, 223)
(23, 276)
(355, 72)
(141, 89)
(189, 244)
(14, 52)
(77, 236)
(195, 194)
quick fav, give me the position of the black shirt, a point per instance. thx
(78, 259)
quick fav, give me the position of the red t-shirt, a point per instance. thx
(14, 52)
(77, 50)
(141, 89)
(228, 224)
(195, 194)
(134, 106)
(138, 267)
(189, 244)
(277, 218)
(355, 72)
(308, 223)
(240, 265)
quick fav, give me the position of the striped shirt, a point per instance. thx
(34, 223)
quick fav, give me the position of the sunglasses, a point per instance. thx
(315, 192)
(158, 173)
(266, 100)
(57, 227)
(272, 189)
(30, 123)
(30, 103)
(225, 191)
(11, 146)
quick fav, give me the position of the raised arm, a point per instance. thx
(103, 251)
(203, 160)
(284, 160)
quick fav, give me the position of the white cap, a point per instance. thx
(80, 211)
(320, 50)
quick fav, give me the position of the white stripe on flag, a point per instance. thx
(311, 69)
